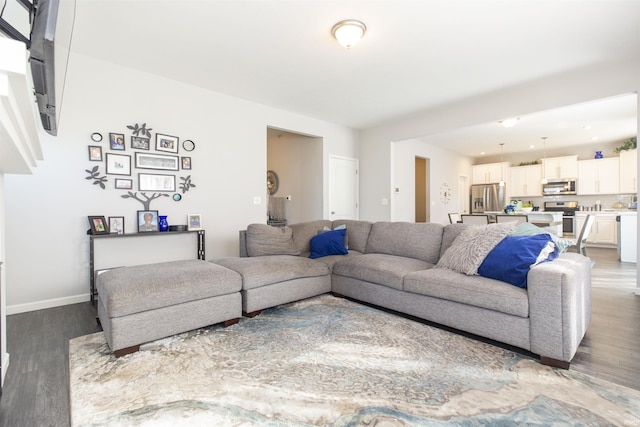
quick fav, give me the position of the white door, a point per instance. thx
(343, 188)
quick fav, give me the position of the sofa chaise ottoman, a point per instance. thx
(143, 303)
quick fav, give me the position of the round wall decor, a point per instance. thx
(272, 182)
(188, 145)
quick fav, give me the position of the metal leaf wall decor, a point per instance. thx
(94, 173)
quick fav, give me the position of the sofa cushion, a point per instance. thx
(512, 258)
(357, 233)
(472, 245)
(387, 270)
(472, 290)
(266, 270)
(328, 243)
(406, 239)
(265, 240)
(304, 231)
(331, 260)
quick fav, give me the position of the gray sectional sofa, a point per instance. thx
(394, 265)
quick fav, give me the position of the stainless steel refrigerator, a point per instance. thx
(487, 198)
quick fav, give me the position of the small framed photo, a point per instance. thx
(95, 153)
(116, 141)
(98, 225)
(147, 221)
(116, 224)
(186, 163)
(118, 164)
(166, 143)
(156, 161)
(140, 143)
(194, 222)
(123, 184)
(156, 182)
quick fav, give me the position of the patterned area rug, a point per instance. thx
(333, 362)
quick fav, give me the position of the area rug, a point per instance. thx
(327, 361)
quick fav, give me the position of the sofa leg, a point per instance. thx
(126, 350)
(554, 363)
(252, 314)
(230, 322)
(337, 295)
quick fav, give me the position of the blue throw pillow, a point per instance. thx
(512, 258)
(328, 243)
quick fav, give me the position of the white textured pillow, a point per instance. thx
(472, 245)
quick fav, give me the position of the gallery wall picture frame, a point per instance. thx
(116, 224)
(147, 221)
(116, 141)
(140, 143)
(167, 143)
(194, 222)
(186, 163)
(156, 182)
(157, 161)
(95, 153)
(123, 184)
(98, 224)
(118, 164)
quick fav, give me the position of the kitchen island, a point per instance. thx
(550, 221)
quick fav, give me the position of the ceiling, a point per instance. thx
(416, 55)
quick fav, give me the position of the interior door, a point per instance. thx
(343, 188)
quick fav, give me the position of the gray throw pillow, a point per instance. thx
(472, 245)
(264, 240)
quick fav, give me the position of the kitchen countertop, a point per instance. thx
(609, 212)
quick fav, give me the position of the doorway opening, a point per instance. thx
(422, 193)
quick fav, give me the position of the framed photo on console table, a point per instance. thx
(147, 221)
(98, 225)
(194, 222)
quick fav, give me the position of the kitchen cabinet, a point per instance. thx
(525, 181)
(604, 230)
(490, 173)
(599, 176)
(629, 171)
(560, 167)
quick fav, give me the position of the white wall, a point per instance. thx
(46, 213)
(581, 85)
(445, 168)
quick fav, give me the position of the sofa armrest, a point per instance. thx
(243, 243)
(559, 305)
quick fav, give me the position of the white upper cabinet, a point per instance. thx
(599, 176)
(629, 171)
(525, 181)
(490, 173)
(560, 167)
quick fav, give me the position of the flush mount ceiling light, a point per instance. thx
(509, 123)
(348, 32)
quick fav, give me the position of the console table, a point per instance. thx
(200, 252)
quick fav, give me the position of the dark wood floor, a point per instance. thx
(36, 390)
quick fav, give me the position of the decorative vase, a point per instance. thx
(163, 225)
(598, 155)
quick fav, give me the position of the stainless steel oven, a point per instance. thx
(568, 210)
(559, 187)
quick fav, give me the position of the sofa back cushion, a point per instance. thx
(304, 231)
(357, 233)
(264, 240)
(414, 240)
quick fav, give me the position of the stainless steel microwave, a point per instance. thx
(559, 186)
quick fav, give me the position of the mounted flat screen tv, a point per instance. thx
(43, 29)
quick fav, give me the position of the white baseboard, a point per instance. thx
(40, 305)
(5, 365)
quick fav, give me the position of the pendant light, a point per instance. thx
(544, 157)
(501, 164)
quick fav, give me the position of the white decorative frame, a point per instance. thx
(194, 222)
(118, 164)
(156, 182)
